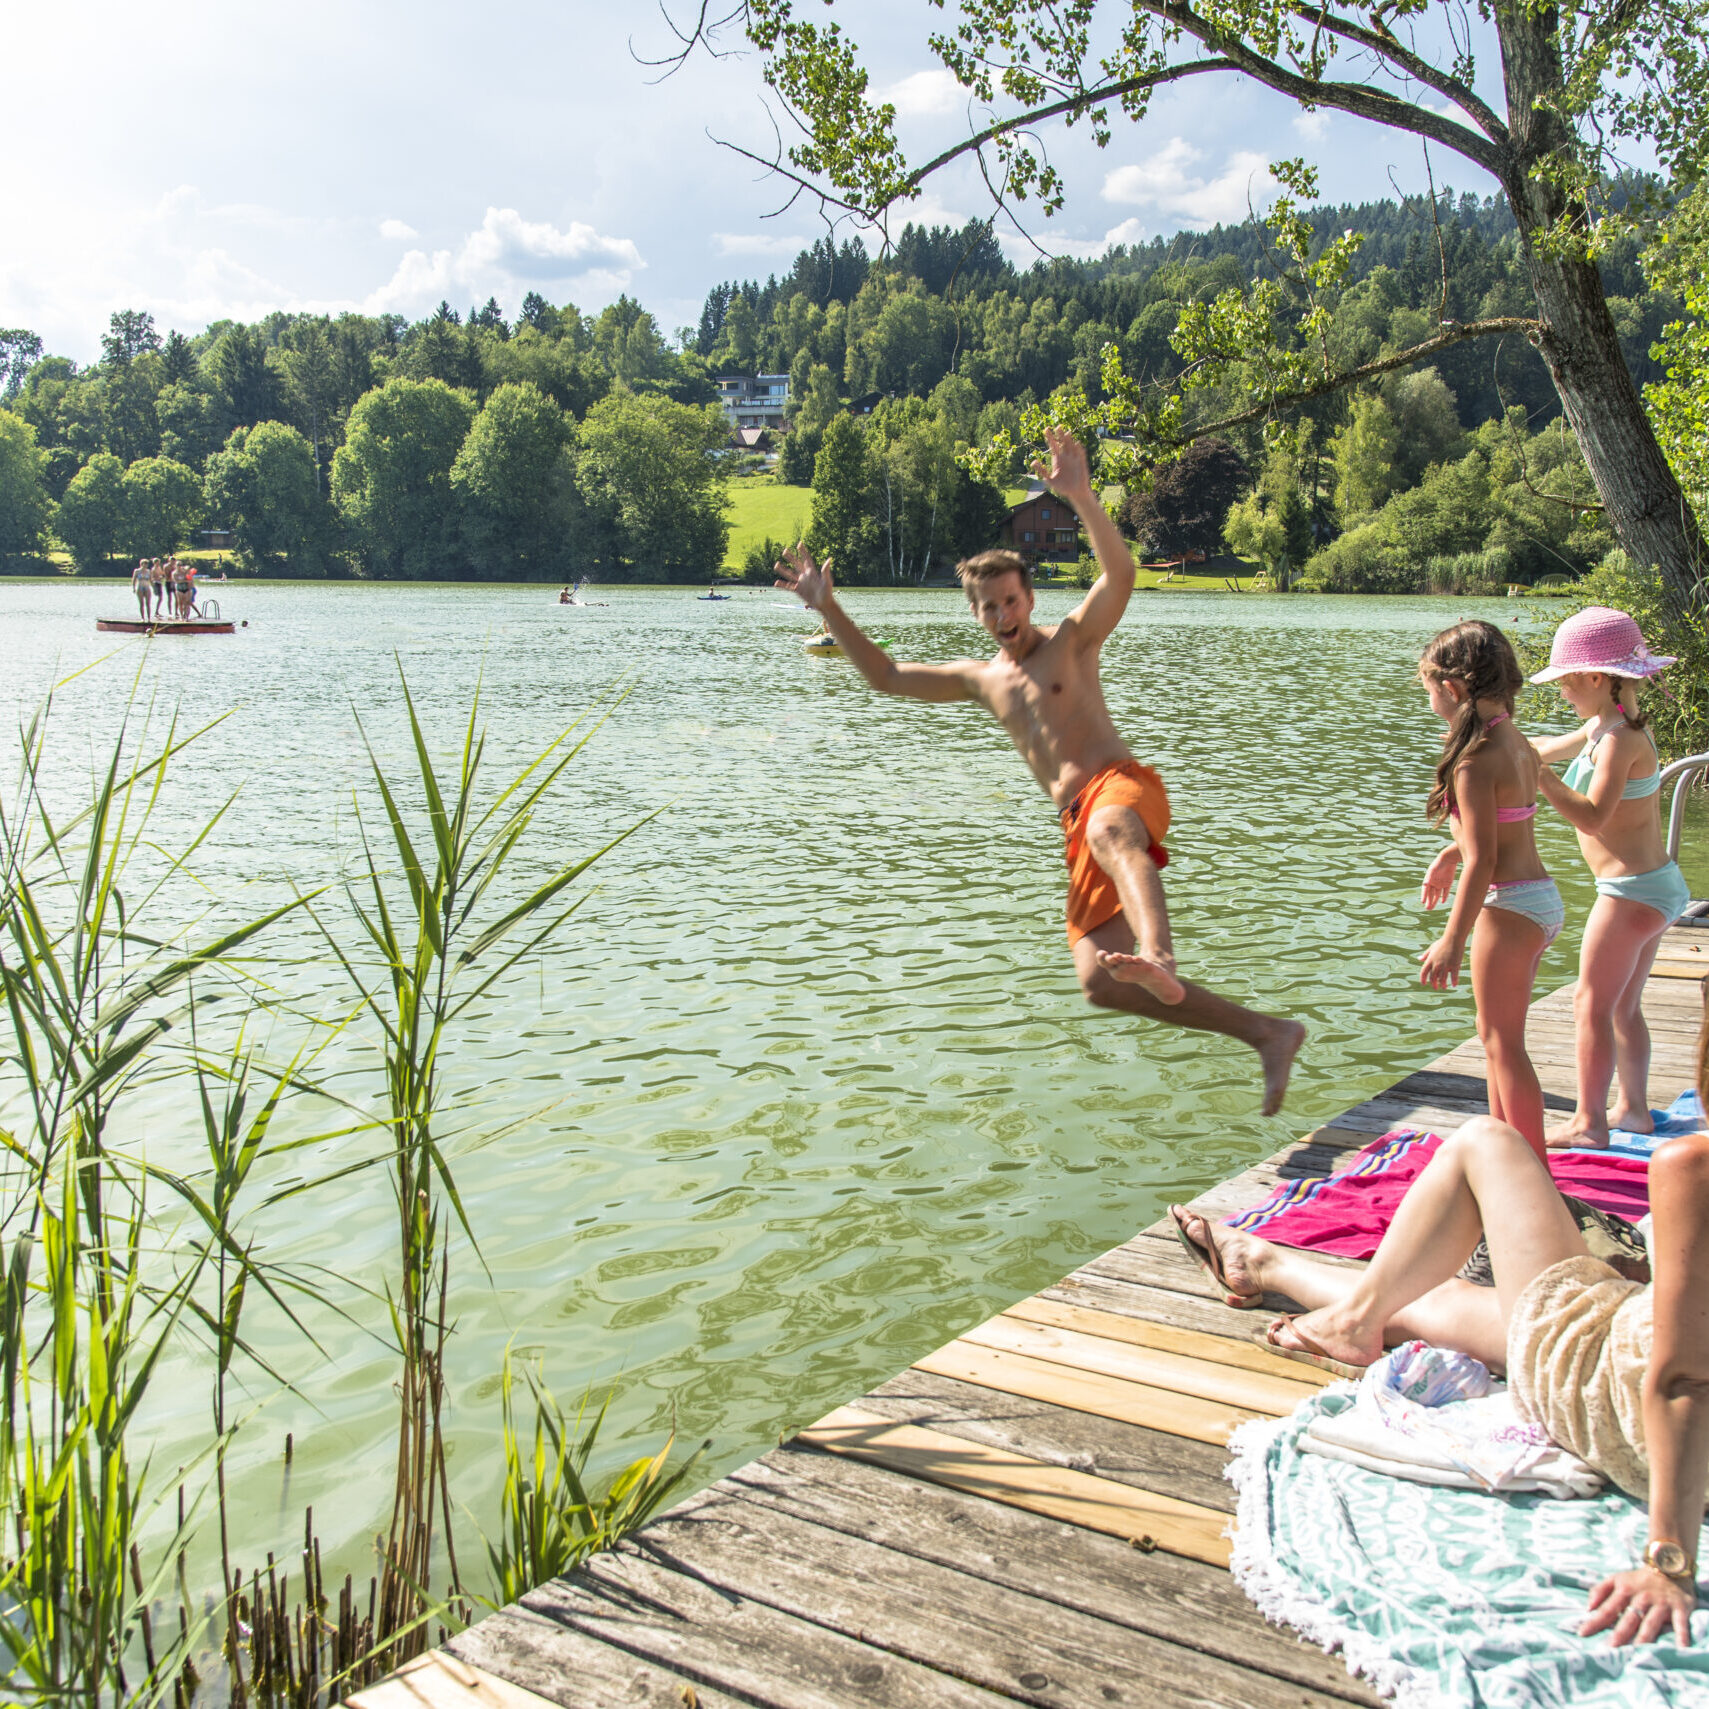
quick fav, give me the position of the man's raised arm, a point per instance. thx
(811, 584)
(1069, 477)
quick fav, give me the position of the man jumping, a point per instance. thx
(1043, 688)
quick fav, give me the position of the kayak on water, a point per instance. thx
(827, 648)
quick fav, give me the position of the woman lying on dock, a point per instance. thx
(1616, 1372)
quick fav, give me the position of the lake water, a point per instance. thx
(806, 1087)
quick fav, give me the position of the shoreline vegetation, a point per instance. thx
(560, 444)
(116, 1265)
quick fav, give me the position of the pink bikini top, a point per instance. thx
(1503, 815)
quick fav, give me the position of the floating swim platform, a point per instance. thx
(164, 626)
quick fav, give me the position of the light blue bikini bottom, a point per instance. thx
(1665, 890)
(1536, 899)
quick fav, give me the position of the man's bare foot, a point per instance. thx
(1277, 1047)
(1631, 1121)
(1326, 1334)
(1155, 976)
(1577, 1135)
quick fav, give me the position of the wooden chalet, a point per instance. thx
(1043, 529)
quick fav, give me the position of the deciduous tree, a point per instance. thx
(516, 480)
(391, 478)
(1576, 82)
(162, 502)
(92, 511)
(264, 486)
(26, 507)
(1184, 508)
(645, 466)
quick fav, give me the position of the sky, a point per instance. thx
(204, 160)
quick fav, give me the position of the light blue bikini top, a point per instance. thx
(1583, 768)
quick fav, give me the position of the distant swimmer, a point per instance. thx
(142, 585)
(1043, 687)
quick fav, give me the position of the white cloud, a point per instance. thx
(506, 256)
(777, 245)
(1313, 126)
(1167, 184)
(927, 94)
(395, 231)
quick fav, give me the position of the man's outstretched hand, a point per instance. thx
(808, 581)
(1067, 472)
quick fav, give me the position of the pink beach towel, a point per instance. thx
(1346, 1214)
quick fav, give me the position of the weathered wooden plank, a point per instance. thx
(1058, 1435)
(1216, 1349)
(739, 1648)
(1098, 1355)
(1009, 1642)
(600, 1679)
(439, 1680)
(1162, 1306)
(1076, 1498)
(1085, 1391)
(1167, 1595)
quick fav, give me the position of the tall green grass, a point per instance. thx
(113, 1261)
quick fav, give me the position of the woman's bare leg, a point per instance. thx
(1434, 1230)
(1506, 948)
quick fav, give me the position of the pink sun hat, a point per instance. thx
(1599, 638)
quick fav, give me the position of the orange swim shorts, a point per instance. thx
(1092, 897)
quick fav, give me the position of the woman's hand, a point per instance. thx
(1440, 965)
(1639, 1606)
(1439, 879)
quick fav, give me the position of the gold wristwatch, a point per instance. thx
(1671, 1561)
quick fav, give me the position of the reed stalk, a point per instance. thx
(85, 1320)
(427, 927)
(549, 1521)
(96, 1286)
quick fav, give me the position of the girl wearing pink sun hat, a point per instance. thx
(1610, 796)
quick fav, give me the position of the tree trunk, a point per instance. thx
(1645, 504)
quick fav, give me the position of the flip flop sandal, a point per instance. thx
(1310, 1354)
(1210, 1261)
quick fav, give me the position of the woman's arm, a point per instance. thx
(1641, 1605)
(1474, 794)
(1591, 811)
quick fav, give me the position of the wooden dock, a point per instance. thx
(1032, 1514)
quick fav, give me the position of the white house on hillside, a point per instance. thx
(757, 400)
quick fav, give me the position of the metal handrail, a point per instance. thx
(1682, 771)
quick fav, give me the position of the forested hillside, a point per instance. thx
(464, 445)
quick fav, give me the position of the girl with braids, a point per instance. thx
(1610, 796)
(1486, 787)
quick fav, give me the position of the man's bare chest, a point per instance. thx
(1038, 697)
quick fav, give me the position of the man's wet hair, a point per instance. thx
(983, 566)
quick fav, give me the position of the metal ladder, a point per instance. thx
(1680, 773)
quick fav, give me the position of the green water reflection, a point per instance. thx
(807, 1087)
